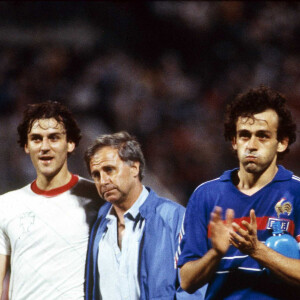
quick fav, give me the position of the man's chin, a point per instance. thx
(251, 168)
(110, 197)
(111, 200)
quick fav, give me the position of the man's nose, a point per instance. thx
(104, 179)
(252, 143)
(45, 144)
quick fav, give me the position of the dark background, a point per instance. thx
(164, 71)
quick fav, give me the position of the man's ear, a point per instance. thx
(71, 146)
(26, 149)
(135, 168)
(233, 143)
(283, 144)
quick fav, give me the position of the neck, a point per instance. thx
(122, 207)
(52, 182)
(250, 183)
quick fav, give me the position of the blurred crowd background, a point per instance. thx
(164, 71)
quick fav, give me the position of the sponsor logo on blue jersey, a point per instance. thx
(284, 223)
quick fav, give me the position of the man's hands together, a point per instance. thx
(224, 234)
(245, 240)
(220, 231)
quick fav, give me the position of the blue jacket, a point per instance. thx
(157, 276)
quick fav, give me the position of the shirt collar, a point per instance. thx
(281, 175)
(56, 191)
(135, 208)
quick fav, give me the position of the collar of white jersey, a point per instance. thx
(55, 192)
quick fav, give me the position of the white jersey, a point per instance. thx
(47, 239)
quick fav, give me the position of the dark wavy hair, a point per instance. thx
(47, 110)
(129, 149)
(256, 101)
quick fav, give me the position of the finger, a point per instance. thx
(241, 231)
(229, 216)
(218, 211)
(252, 216)
(248, 226)
(253, 220)
(234, 243)
(236, 238)
(216, 214)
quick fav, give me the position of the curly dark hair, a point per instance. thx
(47, 110)
(129, 149)
(256, 101)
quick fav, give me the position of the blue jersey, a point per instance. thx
(238, 275)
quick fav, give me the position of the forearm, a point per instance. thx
(195, 274)
(284, 267)
(4, 264)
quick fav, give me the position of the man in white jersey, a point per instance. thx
(44, 226)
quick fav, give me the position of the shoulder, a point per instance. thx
(217, 184)
(295, 180)
(295, 186)
(14, 201)
(85, 182)
(16, 193)
(208, 185)
(85, 188)
(85, 191)
(162, 206)
(207, 194)
(287, 179)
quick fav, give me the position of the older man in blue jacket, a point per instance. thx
(133, 242)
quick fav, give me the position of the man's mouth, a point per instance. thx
(46, 159)
(251, 158)
(107, 189)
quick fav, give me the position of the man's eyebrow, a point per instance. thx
(243, 131)
(255, 132)
(57, 133)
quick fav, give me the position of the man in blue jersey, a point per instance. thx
(133, 242)
(230, 255)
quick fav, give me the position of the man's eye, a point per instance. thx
(108, 170)
(244, 136)
(54, 138)
(262, 136)
(95, 175)
(36, 139)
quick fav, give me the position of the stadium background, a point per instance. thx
(164, 71)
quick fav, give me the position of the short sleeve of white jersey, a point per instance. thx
(5, 248)
(4, 243)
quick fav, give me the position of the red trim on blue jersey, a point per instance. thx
(261, 224)
(56, 191)
(298, 238)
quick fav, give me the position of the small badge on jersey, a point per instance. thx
(283, 207)
(26, 221)
(283, 222)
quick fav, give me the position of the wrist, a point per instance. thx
(259, 250)
(218, 253)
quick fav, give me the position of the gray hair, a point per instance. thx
(129, 149)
